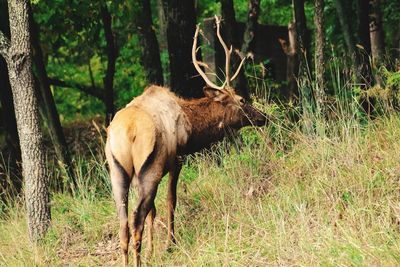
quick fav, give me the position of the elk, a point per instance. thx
(146, 139)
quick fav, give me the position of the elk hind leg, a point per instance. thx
(171, 201)
(150, 230)
(147, 186)
(120, 181)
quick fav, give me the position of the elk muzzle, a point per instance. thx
(253, 116)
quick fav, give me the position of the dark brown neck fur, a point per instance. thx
(205, 116)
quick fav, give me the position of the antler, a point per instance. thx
(240, 65)
(197, 63)
(228, 53)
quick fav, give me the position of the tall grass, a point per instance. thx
(277, 195)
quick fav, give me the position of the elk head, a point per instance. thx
(237, 111)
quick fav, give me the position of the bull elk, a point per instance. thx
(146, 138)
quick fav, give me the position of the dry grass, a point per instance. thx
(284, 198)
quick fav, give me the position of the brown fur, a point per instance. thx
(145, 140)
(205, 124)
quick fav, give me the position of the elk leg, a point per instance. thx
(150, 229)
(147, 192)
(120, 190)
(171, 200)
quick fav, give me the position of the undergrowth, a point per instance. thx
(273, 197)
(298, 192)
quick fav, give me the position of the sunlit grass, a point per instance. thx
(303, 200)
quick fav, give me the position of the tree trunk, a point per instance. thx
(150, 56)
(302, 34)
(229, 23)
(292, 69)
(249, 37)
(364, 67)
(320, 95)
(376, 33)
(232, 38)
(345, 25)
(181, 25)
(54, 124)
(360, 57)
(111, 59)
(8, 117)
(162, 26)
(19, 61)
(396, 45)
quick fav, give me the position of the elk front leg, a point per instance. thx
(171, 200)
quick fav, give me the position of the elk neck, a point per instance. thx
(206, 117)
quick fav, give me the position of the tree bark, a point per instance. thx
(229, 21)
(18, 56)
(150, 56)
(232, 38)
(181, 25)
(292, 69)
(320, 95)
(8, 117)
(111, 59)
(249, 37)
(345, 25)
(376, 33)
(162, 26)
(302, 33)
(54, 124)
(363, 54)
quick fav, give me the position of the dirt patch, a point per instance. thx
(75, 251)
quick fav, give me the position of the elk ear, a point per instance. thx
(211, 92)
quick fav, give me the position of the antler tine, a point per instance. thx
(227, 52)
(240, 66)
(196, 63)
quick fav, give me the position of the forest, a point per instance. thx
(318, 183)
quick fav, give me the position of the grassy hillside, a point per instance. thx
(275, 196)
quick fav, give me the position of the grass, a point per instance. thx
(307, 193)
(276, 196)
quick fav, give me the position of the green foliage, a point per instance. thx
(207, 9)
(277, 12)
(391, 16)
(72, 37)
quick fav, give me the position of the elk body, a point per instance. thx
(146, 138)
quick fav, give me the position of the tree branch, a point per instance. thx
(111, 59)
(98, 93)
(91, 75)
(4, 45)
